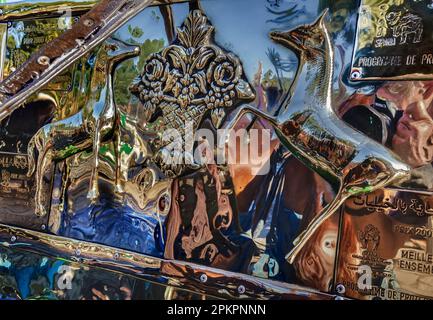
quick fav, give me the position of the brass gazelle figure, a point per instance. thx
(309, 128)
(86, 129)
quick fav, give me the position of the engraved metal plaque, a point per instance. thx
(394, 40)
(387, 246)
(20, 39)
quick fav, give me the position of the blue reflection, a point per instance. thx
(116, 225)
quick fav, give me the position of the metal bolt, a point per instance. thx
(341, 289)
(89, 22)
(13, 239)
(203, 278)
(77, 252)
(35, 75)
(241, 289)
(43, 227)
(44, 60)
(116, 256)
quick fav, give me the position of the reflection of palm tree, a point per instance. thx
(18, 34)
(280, 65)
(284, 17)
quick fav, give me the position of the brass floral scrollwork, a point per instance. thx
(185, 82)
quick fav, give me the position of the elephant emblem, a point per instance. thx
(404, 25)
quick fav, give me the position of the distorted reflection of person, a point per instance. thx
(399, 115)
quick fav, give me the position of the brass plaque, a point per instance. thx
(24, 37)
(21, 38)
(394, 40)
(386, 249)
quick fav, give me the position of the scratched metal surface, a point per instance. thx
(229, 217)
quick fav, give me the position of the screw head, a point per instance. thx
(341, 289)
(116, 256)
(89, 22)
(203, 278)
(77, 252)
(241, 289)
(13, 238)
(43, 227)
(44, 60)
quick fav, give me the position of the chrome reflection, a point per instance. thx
(88, 128)
(308, 127)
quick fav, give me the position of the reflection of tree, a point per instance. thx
(129, 70)
(280, 65)
(285, 16)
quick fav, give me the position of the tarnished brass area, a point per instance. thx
(308, 127)
(88, 128)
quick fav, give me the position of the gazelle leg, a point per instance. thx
(93, 194)
(317, 221)
(119, 162)
(44, 161)
(249, 109)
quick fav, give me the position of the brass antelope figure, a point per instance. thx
(309, 128)
(86, 129)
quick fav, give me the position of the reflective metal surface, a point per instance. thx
(393, 41)
(316, 191)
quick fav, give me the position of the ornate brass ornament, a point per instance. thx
(88, 128)
(189, 80)
(309, 128)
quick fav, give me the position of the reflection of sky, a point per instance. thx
(241, 26)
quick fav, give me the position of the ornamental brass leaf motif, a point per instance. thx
(196, 31)
(184, 82)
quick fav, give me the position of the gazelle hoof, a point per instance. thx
(93, 196)
(40, 211)
(290, 258)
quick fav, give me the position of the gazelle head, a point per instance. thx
(310, 38)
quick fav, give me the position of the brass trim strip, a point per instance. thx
(184, 275)
(31, 9)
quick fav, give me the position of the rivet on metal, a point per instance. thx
(35, 75)
(203, 278)
(241, 289)
(340, 289)
(89, 22)
(13, 239)
(44, 60)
